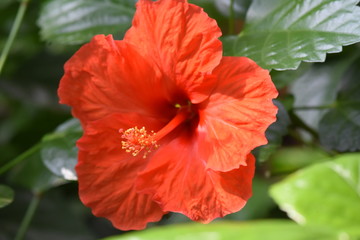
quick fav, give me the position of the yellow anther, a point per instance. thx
(138, 140)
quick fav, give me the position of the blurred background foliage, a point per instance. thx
(309, 168)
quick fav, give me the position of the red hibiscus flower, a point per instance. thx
(168, 122)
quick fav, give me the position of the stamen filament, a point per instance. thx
(176, 121)
(139, 140)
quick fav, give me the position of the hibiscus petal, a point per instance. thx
(107, 76)
(107, 174)
(179, 180)
(234, 119)
(181, 39)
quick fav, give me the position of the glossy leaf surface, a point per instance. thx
(279, 34)
(59, 152)
(77, 21)
(324, 194)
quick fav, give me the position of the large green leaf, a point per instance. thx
(6, 195)
(339, 129)
(280, 34)
(319, 86)
(324, 194)
(260, 230)
(59, 152)
(76, 21)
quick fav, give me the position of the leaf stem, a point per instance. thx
(20, 158)
(305, 108)
(231, 18)
(300, 123)
(28, 216)
(14, 29)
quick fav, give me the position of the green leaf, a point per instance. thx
(32, 174)
(290, 159)
(240, 7)
(282, 79)
(324, 194)
(259, 205)
(274, 134)
(318, 87)
(259, 230)
(280, 34)
(59, 152)
(6, 195)
(5, 3)
(339, 128)
(59, 216)
(77, 21)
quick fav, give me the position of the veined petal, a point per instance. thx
(107, 174)
(234, 119)
(107, 76)
(179, 181)
(181, 39)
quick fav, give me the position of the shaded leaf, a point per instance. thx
(280, 34)
(58, 216)
(240, 7)
(77, 21)
(32, 174)
(318, 87)
(59, 152)
(325, 194)
(259, 205)
(274, 134)
(5, 3)
(283, 79)
(272, 229)
(6, 195)
(339, 128)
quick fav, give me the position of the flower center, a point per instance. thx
(138, 140)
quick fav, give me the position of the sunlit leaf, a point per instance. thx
(280, 34)
(259, 230)
(6, 195)
(77, 21)
(59, 152)
(324, 194)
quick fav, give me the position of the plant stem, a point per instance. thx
(299, 122)
(20, 158)
(28, 216)
(14, 29)
(302, 108)
(231, 18)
